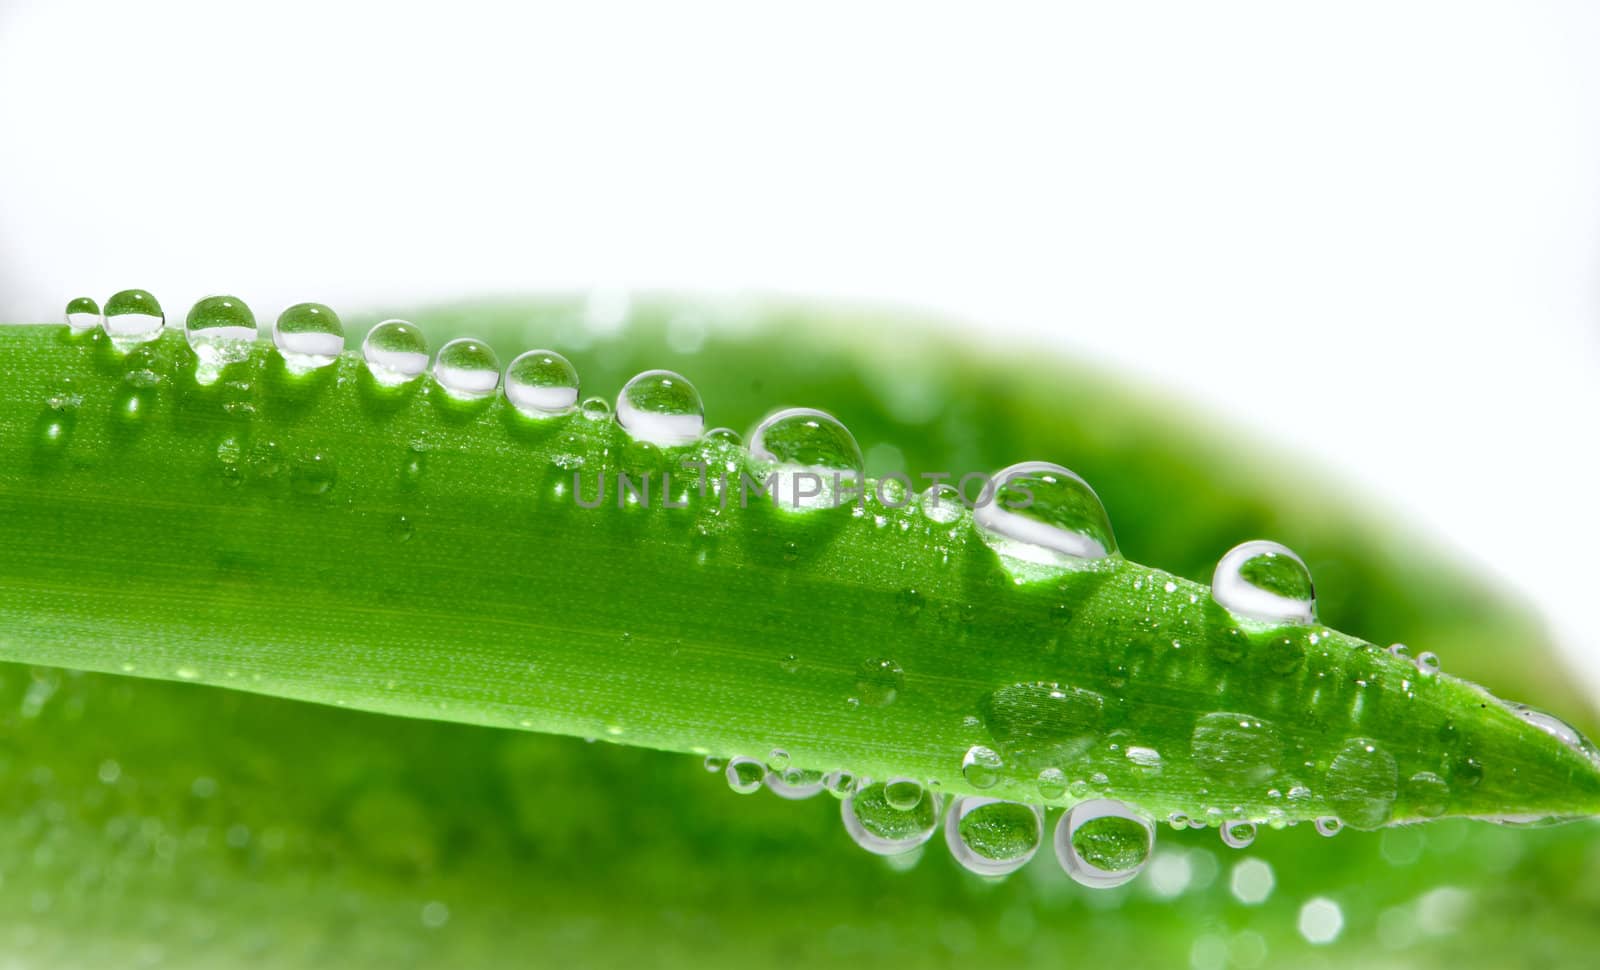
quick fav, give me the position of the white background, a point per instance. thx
(1384, 218)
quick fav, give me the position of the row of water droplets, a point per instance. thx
(1100, 843)
(1033, 514)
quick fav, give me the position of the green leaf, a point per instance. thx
(439, 582)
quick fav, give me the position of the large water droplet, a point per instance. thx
(1558, 729)
(992, 837)
(980, 766)
(221, 331)
(309, 336)
(812, 457)
(1040, 724)
(1234, 747)
(882, 829)
(542, 383)
(83, 314)
(1363, 783)
(661, 408)
(396, 353)
(132, 317)
(1264, 581)
(467, 369)
(1042, 513)
(1101, 843)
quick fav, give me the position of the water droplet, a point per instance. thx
(1427, 663)
(1052, 784)
(745, 775)
(1042, 513)
(401, 528)
(396, 353)
(879, 681)
(992, 837)
(596, 409)
(1429, 794)
(1041, 723)
(661, 408)
(1558, 729)
(714, 764)
(542, 383)
(308, 336)
(980, 766)
(1362, 783)
(83, 314)
(1147, 760)
(221, 331)
(1264, 581)
(723, 436)
(882, 829)
(795, 784)
(1101, 843)
(839, 783)
(1328, 825)
(132, 317)
(1238, 835)
(1235, 747)
(313, 473)
(467, 369)
(777, 760)
(790, 663)
(811, 457)
(940, 503)
(902, 794)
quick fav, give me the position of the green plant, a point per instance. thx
(323, 536)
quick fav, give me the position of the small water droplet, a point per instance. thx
(467, 369)
(795, 784)
(902, 794)
(1238, 835)
(714, 764)
(723, 436)
(1427, 663)
(1042, 513)
(940, 503)
(777, 760)
(1147, 760)
(132, 317)
(1102, 844)
(745, 775)
(981, 766)
(1264, 581)
(308, 336)
(879, 681)
(1429, 794)
(839, 783)
(221, 330)
(790, 663)
(810, 457)
(314, 473)
(83, 314)
(542, 383)
(910, 602)
(662, 408)
(401, 528)
(882, 829)
(596, 409)
(396, 353)
(1052, 784)
(991, 837)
